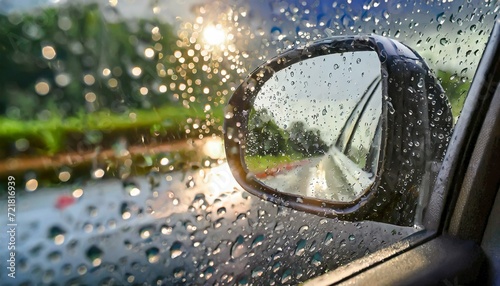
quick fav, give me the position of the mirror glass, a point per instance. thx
(315, 127)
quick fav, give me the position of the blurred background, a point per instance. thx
(111, 118)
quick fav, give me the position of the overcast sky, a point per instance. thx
(321, 91)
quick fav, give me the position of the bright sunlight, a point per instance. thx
(214, 35)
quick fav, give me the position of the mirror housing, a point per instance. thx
(416, 124)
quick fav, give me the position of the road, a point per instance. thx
(193, 226)
(331, 176)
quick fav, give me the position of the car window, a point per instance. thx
(362, 147)
(111, 158)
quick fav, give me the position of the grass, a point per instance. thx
(51, 133)
(261, 163)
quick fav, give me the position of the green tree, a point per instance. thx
(306, 142)
(264, 136)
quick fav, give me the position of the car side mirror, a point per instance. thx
(353, 127)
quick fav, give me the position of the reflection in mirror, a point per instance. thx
(315, 127)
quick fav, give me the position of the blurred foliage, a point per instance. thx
(126, 75)
(257, 164)
(266, 138)
(456, 88)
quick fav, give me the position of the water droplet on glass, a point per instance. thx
(301, 247)
(259, 240)
(257, 272)
(328, 238)
(131, 189)
(316, 259)
(190, 183)
(54, 256)
(420, 83)
(238, 247)
(57, 234)
(176, 250)
(303, 229)
(94, 254)
(342, 243)
(153, 255)
(82, 269)
(179, 273)
(229, 111)
(146, 232)
(144, 161)
(287, 276)
(441, 18)
(390, 107)
(276, 267)
(279, 226)
(209, 272)
(125, 211)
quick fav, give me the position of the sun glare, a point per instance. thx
(214, 35)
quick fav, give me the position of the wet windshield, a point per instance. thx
(111, 118)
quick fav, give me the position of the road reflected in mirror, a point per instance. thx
(315, 127)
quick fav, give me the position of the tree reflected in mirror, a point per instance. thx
(315, 127)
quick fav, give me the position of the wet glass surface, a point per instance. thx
(111, 124)
(313, 126)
